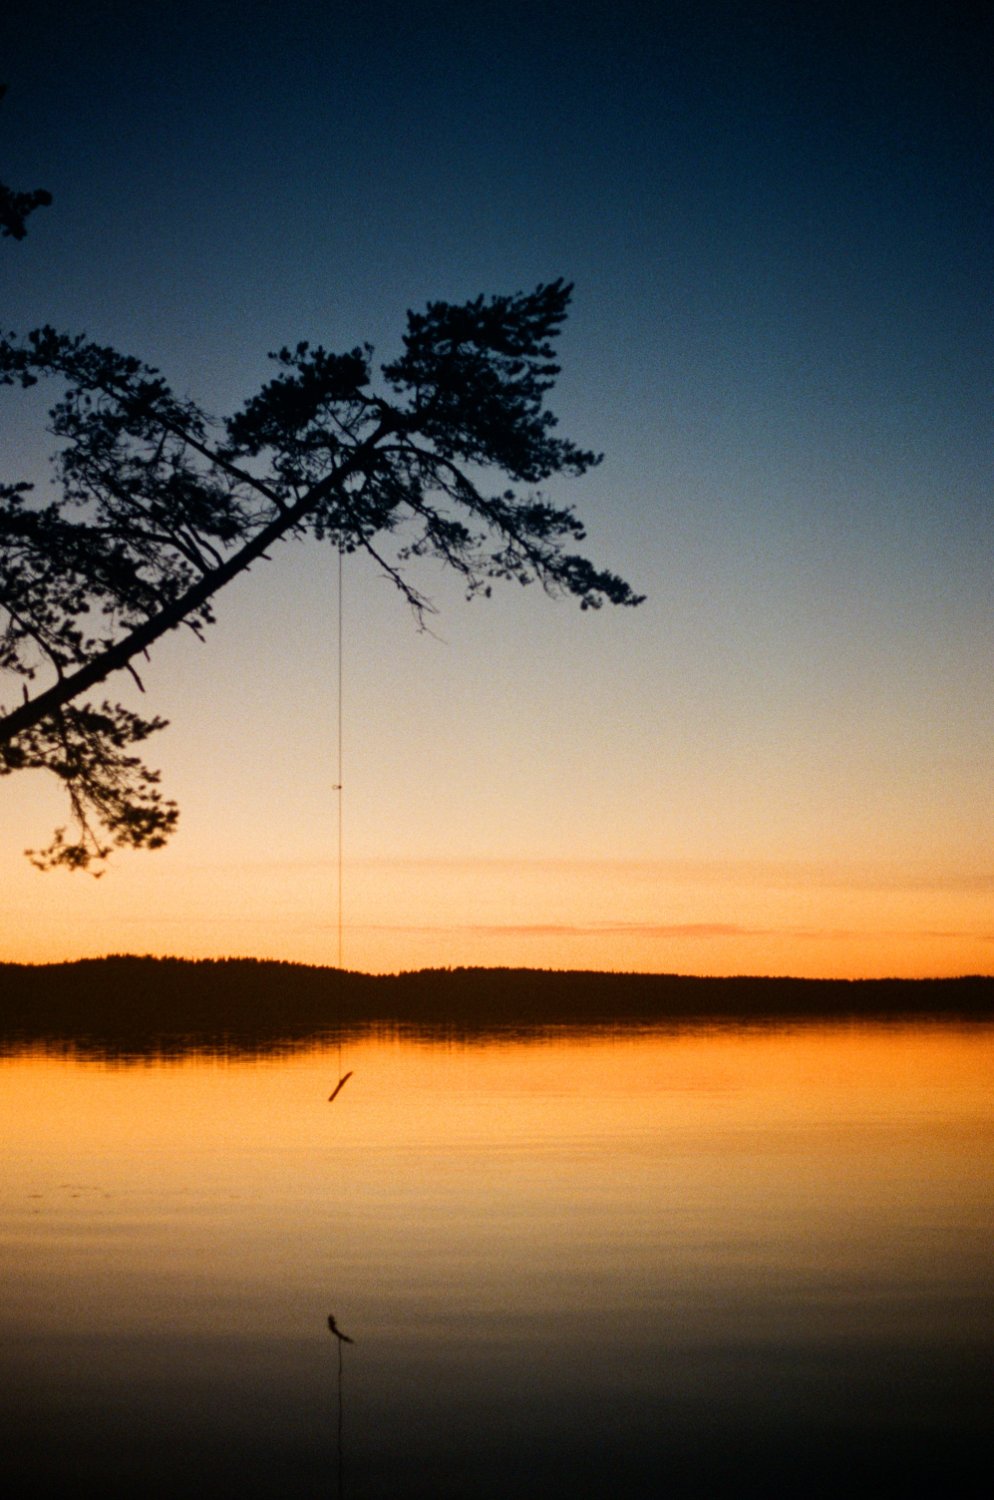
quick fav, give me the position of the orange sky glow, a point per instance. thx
(581, 915)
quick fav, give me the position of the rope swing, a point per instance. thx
(338, 783)
(343, 1078)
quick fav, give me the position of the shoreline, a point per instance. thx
(164, 995)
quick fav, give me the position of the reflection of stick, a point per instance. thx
(340, 1085)
(342, 1338)
(337, 1331)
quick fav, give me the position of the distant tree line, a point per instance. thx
(246, 1002)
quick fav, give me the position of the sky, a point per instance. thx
(777, 220)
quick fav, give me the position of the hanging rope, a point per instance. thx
(338, 783)
(343, 1078)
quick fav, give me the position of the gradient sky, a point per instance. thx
(778, 223)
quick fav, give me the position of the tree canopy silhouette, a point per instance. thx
(161, 506)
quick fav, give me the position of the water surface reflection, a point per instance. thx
(708, 1260)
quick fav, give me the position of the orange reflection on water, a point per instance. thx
(749, 1227)
(715, 1116)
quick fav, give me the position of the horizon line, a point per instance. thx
(289, 963)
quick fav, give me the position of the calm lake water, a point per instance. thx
(708, 1261)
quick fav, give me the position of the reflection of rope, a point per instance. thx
(341, 1451)
(341, 1338)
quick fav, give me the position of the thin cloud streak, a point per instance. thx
(658, 930)
(607, 929)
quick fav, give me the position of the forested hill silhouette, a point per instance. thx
(140, 996)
